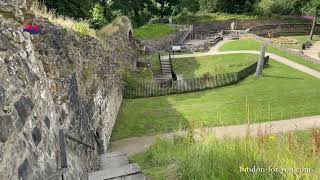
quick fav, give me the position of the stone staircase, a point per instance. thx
(166, 67)
(116, 166)
(184, 37)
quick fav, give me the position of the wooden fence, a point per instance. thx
(142, 90)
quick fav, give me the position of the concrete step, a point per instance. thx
(119, 172)
(113, 162)
(166, 66)
(139, 176)
(112, 154)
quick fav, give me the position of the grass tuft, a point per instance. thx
(82, 27)
(210, 158)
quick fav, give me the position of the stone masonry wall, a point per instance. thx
(163, 43)
(284, 29)
(56, 80)
(202, 31)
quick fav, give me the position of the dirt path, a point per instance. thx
(314, 51)
(280, 59)
(136, 145)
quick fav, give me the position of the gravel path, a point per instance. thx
(136, 145)
(280, 59)
(313, 51)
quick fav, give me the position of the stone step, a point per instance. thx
(112, 173)
(113, 162)
(139, 176)
(112, 154)
(167, 66)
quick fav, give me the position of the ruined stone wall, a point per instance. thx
(56, 80)
(202, 31)
(284, 29)
(164, 42)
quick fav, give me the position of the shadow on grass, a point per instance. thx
(186, 67)
(283, 77)
(147, 116)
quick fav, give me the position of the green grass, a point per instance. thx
(154, 31)
(214, 17)
(251, 44)
(198, 66)
(210, 158)
(243, 44)
(281, 93)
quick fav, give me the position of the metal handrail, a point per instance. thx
(63, 154)
(70, 137)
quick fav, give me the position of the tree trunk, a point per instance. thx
(162, 9)
(313, 25)
(261, 60)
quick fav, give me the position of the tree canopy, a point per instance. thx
(141, 11)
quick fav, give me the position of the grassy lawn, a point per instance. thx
(214, 17)
(154, 31)
(301, 39)
(198, 66)
(251, 44)
(281, 93)
(210, 158)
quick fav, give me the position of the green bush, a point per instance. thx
(98, 18)
(282, 7)
(83, 28)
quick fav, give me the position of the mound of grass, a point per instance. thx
(198, 66)
(282, 93)
(154, 31)
(251, 44)
(210, 158)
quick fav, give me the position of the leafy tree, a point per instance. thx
(229, 6)
(71, 8)
(166, 7)
(313, 8)
(101, 14)
(282, 7)
(186, 6)
(137, 10)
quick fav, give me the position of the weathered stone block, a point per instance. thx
(47, 122)
(36, 136)
(6, 128)
(24, 107)
(2, 96)
(24, 170)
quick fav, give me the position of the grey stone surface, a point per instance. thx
(47, 122)
(111, 162)
(24, 170)
(56, 80)
(24, 107)
(6, 125)
(2, 96)
(36, 135)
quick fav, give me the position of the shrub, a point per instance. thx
(98, 18)
(83, 28)
(282, 7)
